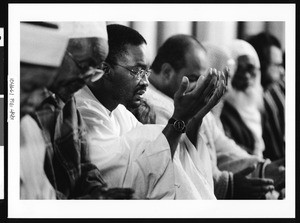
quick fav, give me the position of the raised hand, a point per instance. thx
(188, 104)
(219, 91)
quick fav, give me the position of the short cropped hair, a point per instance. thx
(118, 37)
(262, 43)
(173, 51)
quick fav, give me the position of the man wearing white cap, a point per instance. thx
(42, 49)
(241, 114)
(67, 163)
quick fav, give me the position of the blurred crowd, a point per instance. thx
(98, 121)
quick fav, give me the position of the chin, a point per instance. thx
(135, 104)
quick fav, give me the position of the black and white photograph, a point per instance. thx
(116, 110)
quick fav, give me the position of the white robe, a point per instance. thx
(218, 155)
(195, 161)
(130, 154)
(34, 182)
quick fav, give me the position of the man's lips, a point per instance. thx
(141, 92)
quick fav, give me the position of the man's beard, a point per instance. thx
(250, 97)
(254, 96)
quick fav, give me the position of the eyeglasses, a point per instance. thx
(76, 62)
(138, 72)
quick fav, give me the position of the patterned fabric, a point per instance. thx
(67, 163)
(274, 124)
(236, 129)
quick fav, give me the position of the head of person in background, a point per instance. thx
(246, 75)
(243, 106)
(180, 55)
(42, 48)
(219, 57)
(126, 70)
(87, 49)
(270, 55)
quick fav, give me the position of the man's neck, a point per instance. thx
(157, 83)
(104, 97)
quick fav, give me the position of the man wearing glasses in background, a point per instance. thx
(128, 153)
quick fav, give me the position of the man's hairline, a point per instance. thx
(119, 55)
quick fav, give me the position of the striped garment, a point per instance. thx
(274, 123)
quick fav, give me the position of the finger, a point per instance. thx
(223, 77)
(217, 95)
(211, 84)
(260, 181)
(247, 170)
(262, 189)
(183, 86)
(226, 73)
(203, 80)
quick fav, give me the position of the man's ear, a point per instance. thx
(167, 72)
(106, 68)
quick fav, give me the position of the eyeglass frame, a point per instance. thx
(145, 72)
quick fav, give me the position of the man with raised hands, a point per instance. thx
(183, 55)
(128, 153)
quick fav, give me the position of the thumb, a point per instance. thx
(183, 86)
(247, 170)
(98, 74)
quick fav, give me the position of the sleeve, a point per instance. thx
(90, 183)
(34, 183)
(230, 156)
(140, 159)
(223, 181)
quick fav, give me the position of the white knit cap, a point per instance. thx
(218, 56)
(240, 47)
(85, 29)
(42, 45)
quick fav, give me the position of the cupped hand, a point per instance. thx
(188, 103)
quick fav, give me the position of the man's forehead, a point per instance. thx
(275, 53)
(136, 54)
(196, 57)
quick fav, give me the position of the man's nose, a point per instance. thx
(144, 81)
(281, 70)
